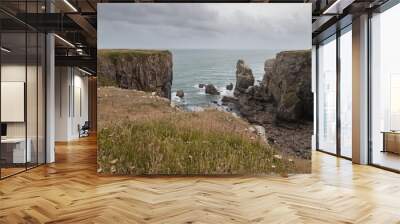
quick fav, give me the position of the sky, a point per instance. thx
(204, 26)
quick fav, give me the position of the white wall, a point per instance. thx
(62, 82)
(71, 87)
(12, 73)
(33, 126)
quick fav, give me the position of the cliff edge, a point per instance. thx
(145, 70)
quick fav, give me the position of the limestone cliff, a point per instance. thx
(146, 70)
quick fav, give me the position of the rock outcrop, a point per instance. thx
(210, 89)
(180, 93)
(146, 70)
(282, 102)
(288, 80)
(285, 90)
(244, 78)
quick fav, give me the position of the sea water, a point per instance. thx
(217, 67)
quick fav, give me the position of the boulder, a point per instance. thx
(210, 89)
(180, 93)
(229, 87)
(244, 77)
(229, 99)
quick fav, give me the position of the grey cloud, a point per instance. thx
(276, 26)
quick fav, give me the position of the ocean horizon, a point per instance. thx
(192, 67)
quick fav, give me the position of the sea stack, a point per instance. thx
(180, 93)
(244, 77)
(210, 89)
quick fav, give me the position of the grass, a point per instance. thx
(105, 81)
(117, 53)
(163, 147)
(142, 134)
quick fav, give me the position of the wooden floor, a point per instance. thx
(386, 159)
(70, 191)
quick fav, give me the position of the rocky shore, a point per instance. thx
(282, 103)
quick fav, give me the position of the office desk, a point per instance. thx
(391, 141)
(13, 150)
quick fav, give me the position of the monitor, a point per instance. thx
(3, 129)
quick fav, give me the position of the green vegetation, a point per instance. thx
(142, 134)
(164, 147)
(118, 53)
(106, 81)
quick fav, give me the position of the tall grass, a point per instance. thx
(164, 147)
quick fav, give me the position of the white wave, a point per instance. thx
(177, 99)
(195, 108)
(196, 86)
(225, 92)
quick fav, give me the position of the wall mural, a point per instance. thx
(204, 89)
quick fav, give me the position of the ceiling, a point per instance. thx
(76, 21)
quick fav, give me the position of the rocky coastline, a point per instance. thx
(282, 102)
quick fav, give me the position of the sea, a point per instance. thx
(217, 67)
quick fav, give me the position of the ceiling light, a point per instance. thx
(84, 71)
(5, 50)
(70, 5)
(65, 41)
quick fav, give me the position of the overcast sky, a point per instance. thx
(204, 26)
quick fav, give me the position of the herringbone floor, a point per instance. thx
(70, 191)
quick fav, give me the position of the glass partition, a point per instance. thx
(346, 93)
(22, 88)
(327, 95)
(13, 94)
(385, 89)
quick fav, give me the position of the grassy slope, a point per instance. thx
(142, 134)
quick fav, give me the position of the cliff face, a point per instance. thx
(282, 102)
(287, 79)
(284, 93)
(146, 70)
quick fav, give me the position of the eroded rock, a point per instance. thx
(210, 89)
(180, 93)
(244, 77)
